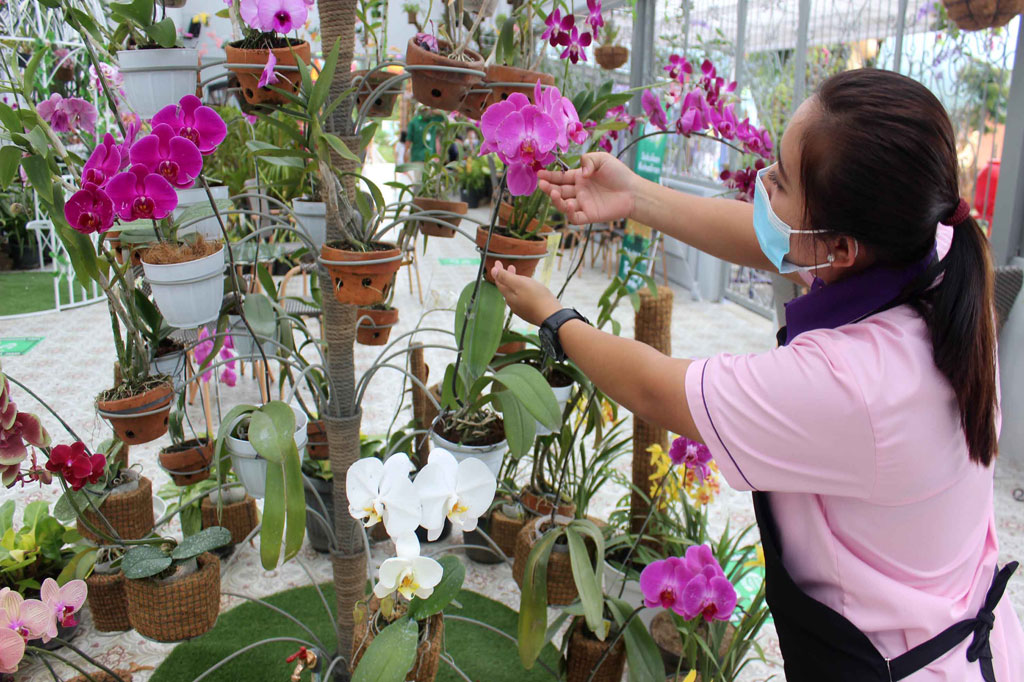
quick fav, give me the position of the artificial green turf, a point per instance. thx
(30, 292)
(483, 655)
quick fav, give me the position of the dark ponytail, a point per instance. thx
(879, 163)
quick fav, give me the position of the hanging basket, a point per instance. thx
(383, 104)
(440, 82)
(432, 228)
(583, 653)
(362, 277)
(108, 602)
(154, 78)
(139, 418)
(428, 653)
(289, 80)
(525, 254)
(376, 330)
(974, 15)
(240, 518)
(317, 446)
(188, 294)
(611, 57)
(185, 608)
(189, 462)
(502, 81)
(129, 513)
(561, 586)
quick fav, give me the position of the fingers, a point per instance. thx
(557, 177)
(588, 164)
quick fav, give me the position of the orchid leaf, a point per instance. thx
(642, 654)
(30, 72)
(533, 601)
(264, 437)
(587, 582)
(340, 148)
(259, 312)
(205, 540)
(10, 120)
(391, 654)
(38, 172)
(323, 83)
(10, 157)
(530, 387)
(482, 318)
(451, 582)
(520, 425)
(163, 32)
(295, 501)
(137, 11)
(273, 516)
(144, 561)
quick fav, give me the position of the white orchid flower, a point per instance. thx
(381, 491)
(409, 573)
(462, 492)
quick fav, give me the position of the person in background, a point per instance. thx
(402, 148)
(421, 136)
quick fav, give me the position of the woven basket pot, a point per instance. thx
(171, 612)
(359, 284)
(130, 514)
(428, 653)
(108, 602)
(561, 586)
(541, 505)
(611, 57)
(239, 518)
(504, 530)
(583, 654)
(974, 15)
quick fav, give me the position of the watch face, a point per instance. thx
(547, 342)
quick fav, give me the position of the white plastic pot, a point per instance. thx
(155, 78)
(172, 365)
(209, 227)
(311, 218)
(250, 468)
(632, 594)
(562, 394)
(188, 294)
(491, 455)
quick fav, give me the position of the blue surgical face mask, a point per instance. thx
(773, 232)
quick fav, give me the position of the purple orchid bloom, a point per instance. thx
(678, 68)
(428, 42)
(714, 598)
(655, 113)
(268, 77)
(563, 113)
(52, 111)
(103, 163)
(130, 133)
(695, 115)
(754, 141)
(594, 17)
(249, 10)
(174, 157)
(553, 32)
(192, 120)
(281, 16)
(663, 582)
(526, 139)
(138, 194)
(725, 122)
(575, 45)
(89, 210)
(692, 455)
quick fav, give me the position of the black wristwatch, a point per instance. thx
(548, 332)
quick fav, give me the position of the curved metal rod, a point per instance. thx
(375, 93)
(458, 671)
(248, 538)
(415, 380)
(270, 640)
(323, 599)
(279, 611)
(364, 380)
(488, 626)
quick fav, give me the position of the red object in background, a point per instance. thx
(985, 191)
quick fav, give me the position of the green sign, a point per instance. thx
(18, 345)
(650, 154)
(459, 261)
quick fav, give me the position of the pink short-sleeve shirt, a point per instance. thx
(880, 512)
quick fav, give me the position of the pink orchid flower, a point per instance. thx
(678, 68)
(524, 137)
(194, 121)
(16, 428)
(81, 114)
(725, 122)
(53, 112)
(139, 194)
(594, 17)
(268, 77)
(695, 115)
(281, 15)
(63, 602)
(662, 584)
(103, 163)
(89, 210)
(12, 650)
(428, 42)
(652, 107)
(691, 586)
(113, 77)
(563, 113)
(692, 455)
(554, 28)
(131, 132)
(28, 617)
(249, 10)
(202, 351)
(174, 157)
(575, 46)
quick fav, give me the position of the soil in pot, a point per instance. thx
(428, 653)
(384, 103)
(287, 51)
(585, 651)
(432, 228)
(138, 416)
(526, 253)
(441, 89)
(166, 253)
(357, 284)
(376, 330)
(317, 446)
(188, 462)
(493, 432)
(611, 57)
(185, 608)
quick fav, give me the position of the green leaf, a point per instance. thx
(446, 590)
(533, 601)
(259, 311)
(273, 516)
(520, 425)
(201, 210)
(30, 72)
(221, 461)
(38, 172)
(163, 32)
(642, 654)
(391, 654)
(10, 119)
(223, 14)
(483, 324)
(79, 567)
(204, 541)
(264, 437)
(267, 282)
(586, 579)
(138, 11)
(340, 148)
(144, 561)
(323, 83)
(530, 387)
(295, 501)
(506, 49)
(6, 516)
(86, 22)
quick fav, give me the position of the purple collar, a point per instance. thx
(848, 300)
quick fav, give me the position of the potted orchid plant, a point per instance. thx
(438, 182)
(444, 68)
(266, 25)
(609, 54)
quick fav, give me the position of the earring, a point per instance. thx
(831, 258)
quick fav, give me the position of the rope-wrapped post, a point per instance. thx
(653, 326)
(338, 20)
(420, 403)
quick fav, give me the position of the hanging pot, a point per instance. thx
(526, 253)
(108, 601)
(317, 446)
(505, 528)
(188, 294)
(250, 468)
(376, 330)
(139, 418)
(358, 284)
(208, 226)
(611, 57)
(240, 518)
(129, 513)
(561, 586)
(154, 78)
(585, 651)
(383, 105)
(114, 241)
(492, 455)
(245, 344)
(189, 462)
(441, 89)
(974, 15)
(432, 228)
(176, 610)
(311, 218)
(428, 652)
(498, 75)
(248, 78)
(319, 535)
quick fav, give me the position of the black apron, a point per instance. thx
(818, 643)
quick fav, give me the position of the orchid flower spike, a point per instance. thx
(461, 492)
(409, 573)
(381, 491)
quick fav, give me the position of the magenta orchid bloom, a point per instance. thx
(743, 180)
(268, 77)
(75, 465)
(249, 10)
(12, 650)
(696, 114)
(52, 111)
(81, 114)
(63, 603)
(755, 141)
(89, 210)
(563, 113)
(174, 157)
(281, 15)
(138, 194)
(678, 68)
(691, 586)
(428, 42)
(575, 45)
(553, 32)
(202, 351)
(130, 133)
(594, 17)
(662, 583)
(16, 428)
(194, 121)
(692, 455)
(652, 107)
(725, 122)
(27, 617)
(524, 137)
(103, 164)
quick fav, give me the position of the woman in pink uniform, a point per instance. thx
(869, 435)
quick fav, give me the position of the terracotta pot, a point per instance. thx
(108, 602)
(377, 330)
(510, 347)
(248, 78)
(611, 57)
(240, 518)
(130, 514)
(498, 73)
(316, 444)
(428, 653)
(182, 609)
(561, 586)
(973, 15)
(384, 103)
(441, 89)
(145, 427)
(584, 652)
(541, 505)
(411, 18)
(357, 284)
(505, 217)
(432, 228)
(188, 463)
(474, 102)
(508, 246)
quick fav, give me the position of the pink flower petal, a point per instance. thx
(522, 179)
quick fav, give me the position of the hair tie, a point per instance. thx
(962, 213)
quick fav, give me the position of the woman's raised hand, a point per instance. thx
(600, 190)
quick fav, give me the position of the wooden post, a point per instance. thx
(421, 406)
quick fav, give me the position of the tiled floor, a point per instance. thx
(74, 362)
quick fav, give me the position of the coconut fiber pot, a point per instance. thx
(584, 652)
(561, 586)
(437, 87)
(376, 330)
(504, 530)
(185, 608)
(140, 418)
(357, 284)
(432, 228)
(108, 602)
(248, 78)
(611, 57)
(129, 513)
(189, 462)
(526, 253)
(240, 518)
(973, 15)
(428, 653)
